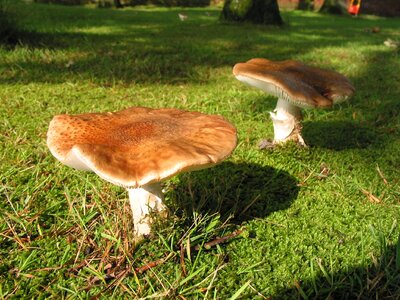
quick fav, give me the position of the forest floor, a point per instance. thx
(317, 222)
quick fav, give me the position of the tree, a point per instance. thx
(118, 4)
(337, 7)
(254, 11)
(387, 8)
(305, 5)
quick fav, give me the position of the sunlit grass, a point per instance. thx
(68, 234)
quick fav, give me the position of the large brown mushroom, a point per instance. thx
(296, 86)
(138, 147)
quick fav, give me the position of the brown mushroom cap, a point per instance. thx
(297, 83)
(137, 146)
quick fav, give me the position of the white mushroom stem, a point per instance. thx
(286, 119)
(144, 201)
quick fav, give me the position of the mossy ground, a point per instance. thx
(67, 234)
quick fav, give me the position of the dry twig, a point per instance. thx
(153, 264)
(381, 175)
(371, 197)
(219, 240)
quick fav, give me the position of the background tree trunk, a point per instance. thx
(337, 7)
(118, 3)
(387, 8)
(305, 5)
(254, 11)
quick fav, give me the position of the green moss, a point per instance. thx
(326, 235)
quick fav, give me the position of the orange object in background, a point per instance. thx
(354, 7)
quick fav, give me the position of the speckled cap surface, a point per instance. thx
(301, 85)
(138, 146)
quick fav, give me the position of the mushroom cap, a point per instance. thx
(138, 146)
(295, 82)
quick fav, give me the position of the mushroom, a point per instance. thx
(138, 147)
(296, 86)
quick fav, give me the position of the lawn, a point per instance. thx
(317, 222)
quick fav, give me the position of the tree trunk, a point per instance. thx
(254, 11)
(387, 8)
(337, 7)
(118, 4)
(305, 5)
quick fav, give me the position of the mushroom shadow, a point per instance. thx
(244, 191)
(339, 135)
(378, 279)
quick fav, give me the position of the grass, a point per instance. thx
(67, 234)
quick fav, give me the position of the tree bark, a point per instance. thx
(387, 8)
(254, 11)
(118, 4)
(337, 7)
(305, 5)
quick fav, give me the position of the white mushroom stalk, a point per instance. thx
(286, 119)
(145, 201)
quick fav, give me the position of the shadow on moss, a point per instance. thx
(245, 191)
(339, 135)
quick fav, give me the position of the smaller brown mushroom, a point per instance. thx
(138, 147)
(296, 86)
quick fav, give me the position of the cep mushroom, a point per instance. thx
(138, 147)
(296, 86)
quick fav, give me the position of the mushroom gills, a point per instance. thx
(75, 160)
(268, 87)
